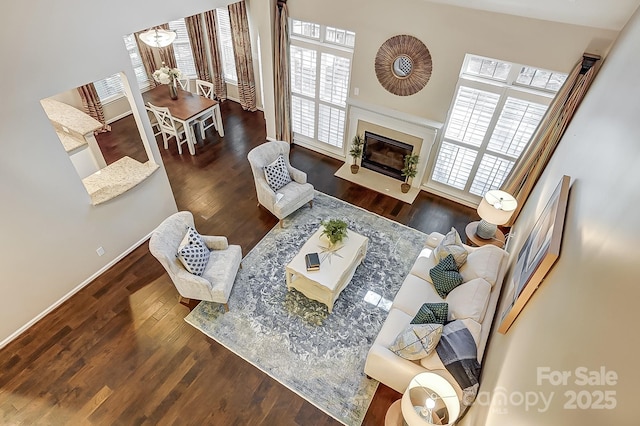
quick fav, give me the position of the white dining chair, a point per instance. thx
(154, 123)
(183, 83)
(170, 128)
(205, 88)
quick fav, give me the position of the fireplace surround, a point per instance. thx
(416, 131)
(384, 155)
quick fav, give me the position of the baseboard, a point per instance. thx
(66, 297)
(118, 117)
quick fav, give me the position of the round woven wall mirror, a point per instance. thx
(403, 65)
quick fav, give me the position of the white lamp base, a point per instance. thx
(486, 230)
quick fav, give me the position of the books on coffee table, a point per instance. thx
(312, 261)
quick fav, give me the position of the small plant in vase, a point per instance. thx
(356, 152)
(335, 230)
(409, 170)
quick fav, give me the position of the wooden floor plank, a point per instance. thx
(120, 352)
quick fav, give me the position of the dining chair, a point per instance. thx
(205, 88)
(183, 83)
(170, 128)
(154, 123)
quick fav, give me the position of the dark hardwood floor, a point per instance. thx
(119, 352)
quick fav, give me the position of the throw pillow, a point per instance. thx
(445, 276)
(277, 174)
(451, 244)
(432, 313)
(193, 252)
(416, 341)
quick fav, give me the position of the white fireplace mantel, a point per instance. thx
(420, 128)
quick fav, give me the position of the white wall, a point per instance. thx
(50, 230)
(585, 312)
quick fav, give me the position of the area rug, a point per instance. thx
(317, 354)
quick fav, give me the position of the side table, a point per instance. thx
(394, 415)
(473, 240)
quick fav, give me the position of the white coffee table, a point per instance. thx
(336, 268)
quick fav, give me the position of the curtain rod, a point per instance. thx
(588, 60)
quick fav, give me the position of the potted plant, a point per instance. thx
(409, 170)
(356, 152)
(335, 230)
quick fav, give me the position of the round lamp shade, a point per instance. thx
(158, 37)
(432, 393)
(496, 207)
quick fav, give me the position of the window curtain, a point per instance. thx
(197, 40)
(93, 106)
(282, 79)
(167, 55)
(149, 58)
(242, 54)
(217, 75)
(529, 167)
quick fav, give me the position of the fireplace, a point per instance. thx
(384, 155)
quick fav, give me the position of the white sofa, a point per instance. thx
(474, 302)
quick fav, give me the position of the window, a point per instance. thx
(320, 73)
(490, 123)
(182, 49)
(110, 88)
(223, 25)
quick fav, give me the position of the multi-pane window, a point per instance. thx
(182, 49)
(223, 25)
(341, 37)
(320, 73)
(111, 87)
(490, 123)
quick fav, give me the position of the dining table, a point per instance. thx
(186, 109)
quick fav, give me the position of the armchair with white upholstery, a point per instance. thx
(220, 272)
(290, 197)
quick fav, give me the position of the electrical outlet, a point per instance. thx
(100, 251)
(356, 91)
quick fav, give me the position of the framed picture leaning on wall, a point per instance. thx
(539, 253)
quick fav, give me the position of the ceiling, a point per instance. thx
(607, 14)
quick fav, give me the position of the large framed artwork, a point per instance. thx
(538, 254)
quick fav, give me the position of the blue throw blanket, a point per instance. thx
(458, 352)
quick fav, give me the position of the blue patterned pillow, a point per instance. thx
(277, 174)
(445, 276)
(193, 252)
(432, 313)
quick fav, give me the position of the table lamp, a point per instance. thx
(496, 208)
(428, 394)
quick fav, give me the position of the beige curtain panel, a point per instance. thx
(217, 74)
(93, 106)
(153, 57)
(282, 82)
(147, 57)
(167, 55)
(242, 54)
(529, 167)
(198, 46)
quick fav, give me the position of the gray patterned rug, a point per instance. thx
(318, 355)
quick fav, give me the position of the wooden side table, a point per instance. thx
(473, 240)
(394, 415)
